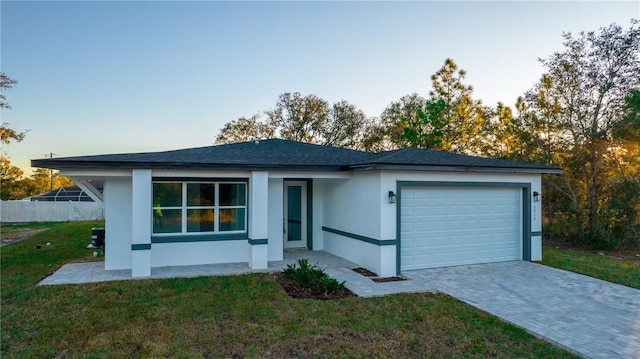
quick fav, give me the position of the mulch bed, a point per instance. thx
(364, 271)
(388, 279)
(295, 290)
(374, 277)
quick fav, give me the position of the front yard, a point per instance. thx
(237, 316)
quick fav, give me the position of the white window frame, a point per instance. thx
(216, 208)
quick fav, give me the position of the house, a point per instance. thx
(248, 202)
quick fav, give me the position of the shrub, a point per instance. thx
(331, 285)
(310, 276)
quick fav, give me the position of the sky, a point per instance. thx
(122, 76)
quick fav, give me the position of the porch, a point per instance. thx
(91, 272)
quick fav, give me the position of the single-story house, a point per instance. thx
(248, 202)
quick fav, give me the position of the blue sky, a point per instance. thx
(120, 76)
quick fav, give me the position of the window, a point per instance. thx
(198, 207)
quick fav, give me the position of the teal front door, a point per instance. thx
(295, 214)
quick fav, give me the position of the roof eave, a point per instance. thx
(445, 168)
(102, 165)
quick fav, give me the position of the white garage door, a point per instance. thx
(455, 226)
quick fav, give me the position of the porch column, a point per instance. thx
(141, 193)
(258, 219)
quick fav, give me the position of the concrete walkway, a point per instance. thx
(593, 318)
(91, 272)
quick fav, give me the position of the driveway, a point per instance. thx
(588, 316)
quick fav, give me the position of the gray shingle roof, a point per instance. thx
(420, 157)
(277, 154)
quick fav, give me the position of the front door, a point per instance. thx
(295, 214)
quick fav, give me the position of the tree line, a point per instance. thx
(583, 116)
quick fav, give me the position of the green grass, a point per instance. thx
(233, 316)
(621, 271)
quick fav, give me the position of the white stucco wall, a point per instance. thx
(353, 206)
(117, 207)
(274, 250)
(194, 253)
(536, 220)
(364, 254)
(318, 193)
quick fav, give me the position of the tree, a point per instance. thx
(300, 118)
(5, 83)
(345, 126)
(245, 129)
(396, 117)
(463, 115)
(585, 96)
(306, 119)
(11, 186)
(6, 134)
(9, 174)
(426, 128)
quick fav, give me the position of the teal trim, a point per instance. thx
(141, 247)
(310, 214)
(536, 234)
(526, 222)
(378, 242)
(526, 208)
(199, 238)
(461, 184)
(258, 241)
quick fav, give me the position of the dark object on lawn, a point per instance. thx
(97, 238)
(38, 246)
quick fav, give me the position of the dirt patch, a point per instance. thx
(295, 290)
(13, 237)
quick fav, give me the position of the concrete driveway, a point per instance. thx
(590, 317)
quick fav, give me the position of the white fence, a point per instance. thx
(39, 211)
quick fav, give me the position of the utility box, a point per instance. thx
(97, 238)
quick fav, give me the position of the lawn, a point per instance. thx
(621, 271)
(232, 316)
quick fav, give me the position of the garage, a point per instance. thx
(449, 226)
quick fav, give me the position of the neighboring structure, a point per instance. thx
(247, 202)
(69, 193)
